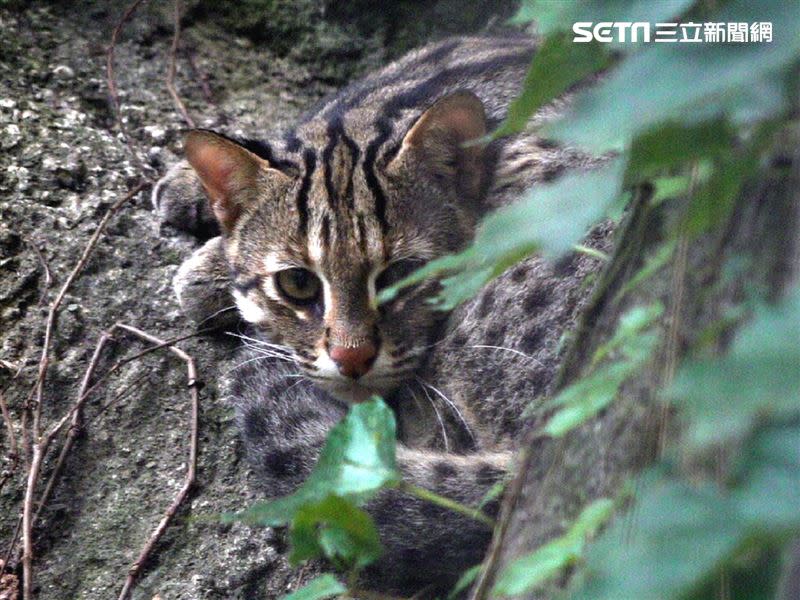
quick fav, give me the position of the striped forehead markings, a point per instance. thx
(310, 161)
(338, 142)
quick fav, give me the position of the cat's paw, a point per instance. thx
(202, 287)
(180, 202)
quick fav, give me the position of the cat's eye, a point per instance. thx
(300, 286)
(396, 271)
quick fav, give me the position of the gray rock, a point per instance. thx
(63, 163)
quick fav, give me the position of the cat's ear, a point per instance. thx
(229, 173)
(447, 136)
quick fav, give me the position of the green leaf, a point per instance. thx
(583, 399)
(671, 144)
(550, 219)
(557, 65)
(769, 498)
(680, 81)
(357, 461)
(760, 375)
(592, 518)
(337, 530)
(631, 323)
(324, 586)
(553, 15)
(682, 533)
(530, 571)
(714, 200)
(464, 582)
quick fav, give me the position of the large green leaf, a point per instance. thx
(557, 65)
(357, 461)
(324, 586)
(769, 498)
(673, 143)
(337, 530)
(684, 81)
(681, 533)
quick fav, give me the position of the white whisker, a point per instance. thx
(438, 417)
(262, 357)
(512, 350)
(451, 404)
(219, 312)
(259, 343)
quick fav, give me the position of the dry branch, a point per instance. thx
(37, 444)
(112, 83)
(173, 52)
(192, 384)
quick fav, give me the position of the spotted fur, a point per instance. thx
(373, 179)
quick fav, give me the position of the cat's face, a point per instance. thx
(311, 245)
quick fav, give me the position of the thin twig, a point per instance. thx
(86, 391)
(136, 567)
(75, 414)
(112, 84)
(173, 53)
(53, 312)
(40, 443)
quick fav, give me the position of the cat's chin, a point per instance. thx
(353, 392)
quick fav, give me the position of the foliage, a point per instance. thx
(689, 120)
(324, 515)
(357, 461)
(685, 532)
(319, 588)
(527, 572)
(759, 377)
(631, 346)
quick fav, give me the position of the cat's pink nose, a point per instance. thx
(354, 361)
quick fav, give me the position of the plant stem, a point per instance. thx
(434, 498)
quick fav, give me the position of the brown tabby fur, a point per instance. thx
(376, 178)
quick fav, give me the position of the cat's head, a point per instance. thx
(312, 237)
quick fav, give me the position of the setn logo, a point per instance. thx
(625, 31)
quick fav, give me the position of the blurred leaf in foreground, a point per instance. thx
(527, 572)
(760, 376)
(324, 586)
(550, 219)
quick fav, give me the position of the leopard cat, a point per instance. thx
(309, 227)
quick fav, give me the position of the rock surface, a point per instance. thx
(63, 162)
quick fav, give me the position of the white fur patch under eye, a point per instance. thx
(251, 312)
(273, 263)
(315, 249)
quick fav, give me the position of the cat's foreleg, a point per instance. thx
(285, 423)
